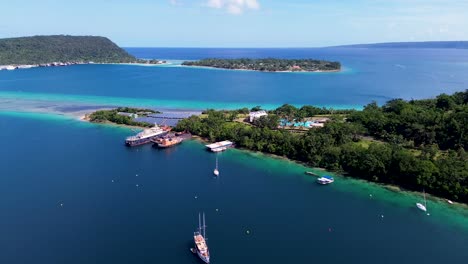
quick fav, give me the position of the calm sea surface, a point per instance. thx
(369, 74)
(71, 192)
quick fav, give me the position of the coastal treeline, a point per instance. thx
(355, 146)
(269, 64)
(442, 122)
(61, 48)
(121, 116)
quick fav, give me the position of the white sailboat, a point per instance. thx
(199, 237)
(421, 206)
(216, 171)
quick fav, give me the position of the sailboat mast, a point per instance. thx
(199, 222)
(204, 226)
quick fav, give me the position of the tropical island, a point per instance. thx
(417, 144)
(268, 64)
(61, 50)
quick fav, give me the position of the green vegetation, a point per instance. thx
(113, 116)
(270, 64)
(60, 48)
(407, 153)
(291, 112)
(442, 122)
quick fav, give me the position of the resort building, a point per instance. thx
(132, 115)
(256, 115)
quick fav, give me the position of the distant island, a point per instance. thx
(61, 50)
(269, 64)
(414, 45)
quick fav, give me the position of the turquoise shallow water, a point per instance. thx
(368, 75)
(69, 190)
(107, 218)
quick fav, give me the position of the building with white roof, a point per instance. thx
(256, 115)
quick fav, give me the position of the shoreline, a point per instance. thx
(249, 70)
(12, 67)
(81, 116)
(389, 187)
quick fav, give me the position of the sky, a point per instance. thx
(239, 23)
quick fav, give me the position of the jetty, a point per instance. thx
(220, 146)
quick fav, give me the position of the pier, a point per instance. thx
(220, 146)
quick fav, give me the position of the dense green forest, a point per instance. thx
(61, 48)
(269, 64)
(418, 144)
(114, 116)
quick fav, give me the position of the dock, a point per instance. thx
(220, 146)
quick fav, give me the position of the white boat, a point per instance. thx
(216, 171)
(450, 202)
(421, 206)
(199, 237)
(325, 180)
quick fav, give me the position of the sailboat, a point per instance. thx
(421, 206)
(216, 171)
(199, 237)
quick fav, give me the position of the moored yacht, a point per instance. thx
(199, 237)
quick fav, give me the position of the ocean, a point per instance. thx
(71, 192)
(368, 75)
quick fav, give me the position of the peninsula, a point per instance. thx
(61, 50)
(121, 116)
(417, 144)
(269, 64)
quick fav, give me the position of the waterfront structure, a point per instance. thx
(220, 146)
(256, 114)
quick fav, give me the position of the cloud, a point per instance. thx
(235, 7)
(175, 2)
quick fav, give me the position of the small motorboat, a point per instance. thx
(325, 180)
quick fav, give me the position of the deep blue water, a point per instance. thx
(369, 74)
(69, 194)
(111, 215)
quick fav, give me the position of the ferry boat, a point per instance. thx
(145, 136)
(199, 237)
(325, 180)
(168, 142)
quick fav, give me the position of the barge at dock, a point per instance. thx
(170, 140)
(146, 136)
(220, 146)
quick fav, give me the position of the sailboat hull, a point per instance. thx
(421, 207)
(203, 258)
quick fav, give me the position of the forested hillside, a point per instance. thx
(61, 48)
